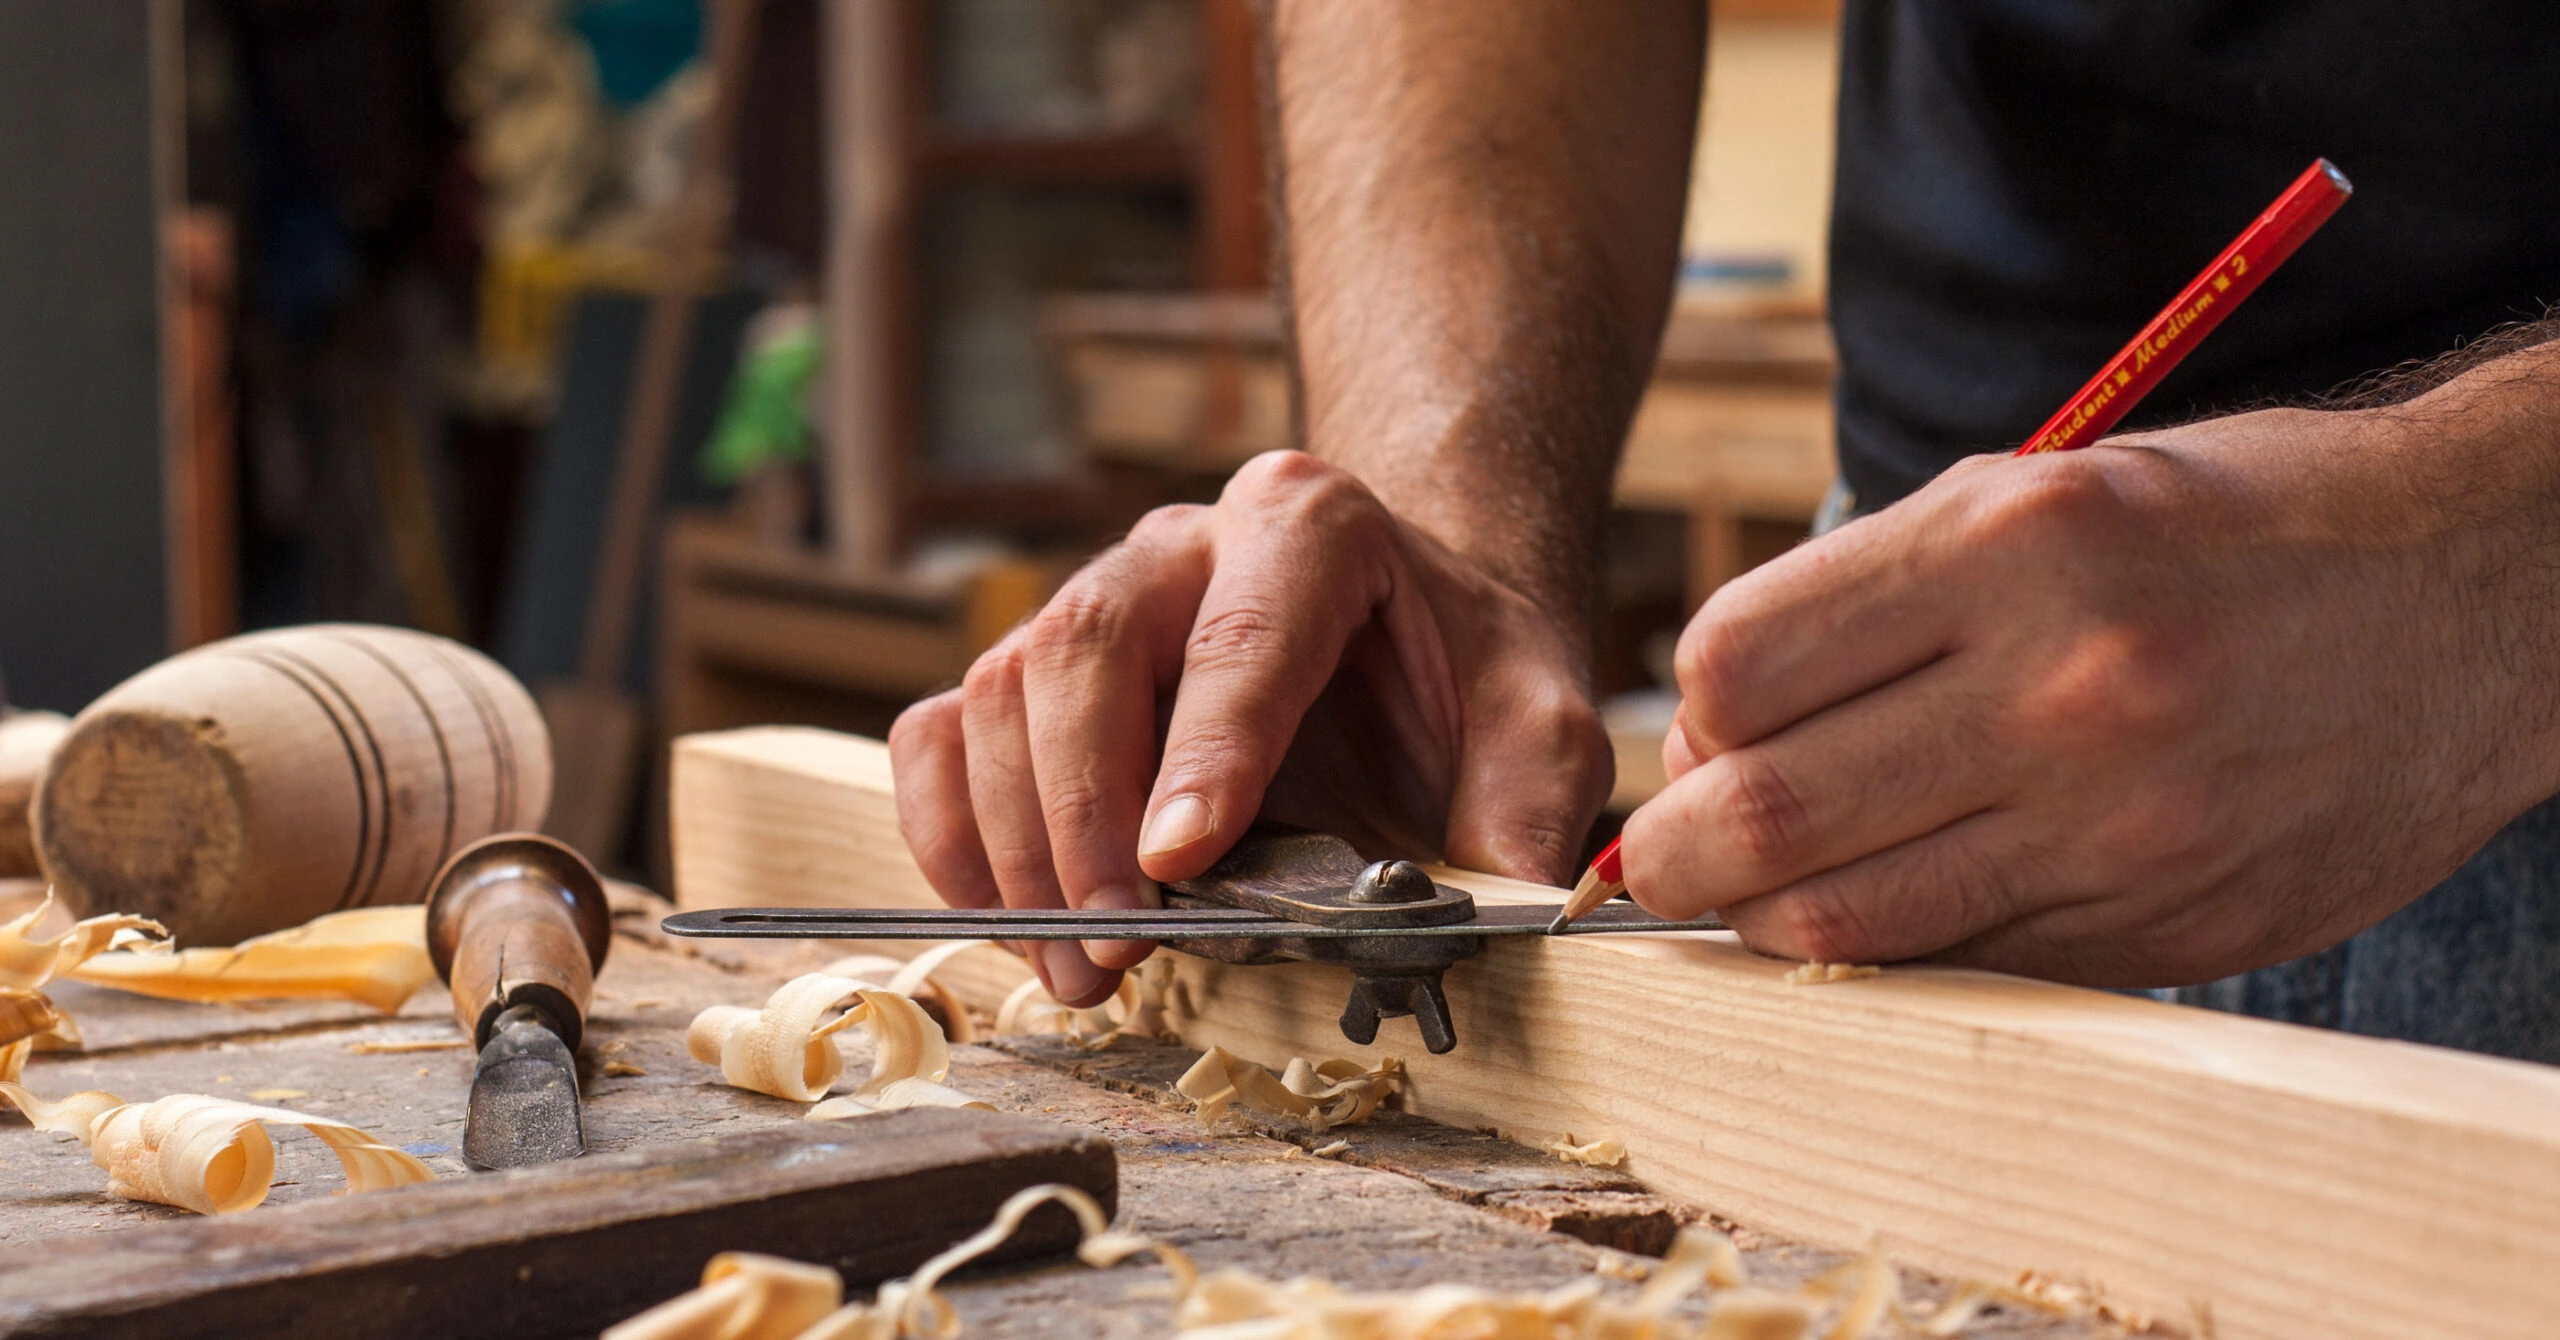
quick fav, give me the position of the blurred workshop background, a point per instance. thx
(713, 362)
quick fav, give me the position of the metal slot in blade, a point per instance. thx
(1032, 923)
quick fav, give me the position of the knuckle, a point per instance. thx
(1294, 489)
(1283, 471)
(996, 672)
(2051, 501)
(1819, 928)
(1078, 622)
(1245, 630)
(1765, 816)
(1713, 664)
(924, 724)
(1168, 523)
(1073, 806)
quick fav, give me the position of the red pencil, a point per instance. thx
(2198, 308)
(2119, 386)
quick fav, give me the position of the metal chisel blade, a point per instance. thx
(524, 1098)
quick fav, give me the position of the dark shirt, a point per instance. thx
(2023, 183)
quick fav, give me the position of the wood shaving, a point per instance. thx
(1851, 1302)
(754, 1297)
(1602, 1153)
(1326, 1151)
(70, 1116)
(209, 1155)
(1140, 1007)
(1822, 974)
(2043, 1291)
(1618, 1265)
(403, 1046)
(744, 1296)
(913, 977)
(611, 1054)
(276, 1095)
(1323, 1094)
(787, 1049)
(29, 962)
(375, 956)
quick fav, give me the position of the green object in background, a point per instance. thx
(766, 419)
(638, 44)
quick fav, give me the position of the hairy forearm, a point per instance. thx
(1481, 206)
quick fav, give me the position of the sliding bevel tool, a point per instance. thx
(1280, 895)
(518, 926)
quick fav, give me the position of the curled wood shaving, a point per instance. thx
(1138, 1009)
(787, 1049)
(1602, 1153)
(70, 1116)
(375, 956)
(29, 962)
(744, 1296)
(914, 977)
(209, 1155)
(1822, 974)
(1323, 1094)
(1849, 1303)
(767, 1298)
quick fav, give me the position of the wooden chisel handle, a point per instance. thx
(519, 919)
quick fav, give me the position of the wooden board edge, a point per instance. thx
(2176, 1161)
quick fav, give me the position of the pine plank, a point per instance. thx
(2284, 1181)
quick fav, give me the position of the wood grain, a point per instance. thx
(554, 1250)
(2286, 1180)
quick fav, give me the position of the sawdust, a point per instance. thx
(1603, 1153)
(1823, 974)
(404, 1046)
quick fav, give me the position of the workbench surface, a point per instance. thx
(1409, 1203)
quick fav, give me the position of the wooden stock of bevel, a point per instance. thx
(567, 1248)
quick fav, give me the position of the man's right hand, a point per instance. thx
(1322, 662)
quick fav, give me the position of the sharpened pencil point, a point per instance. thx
(1556, 927)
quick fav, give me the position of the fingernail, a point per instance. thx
(1125, 897)
(1177, 824)
(1072, 978)
(1121, 898)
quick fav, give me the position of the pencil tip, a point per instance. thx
(1563, 919)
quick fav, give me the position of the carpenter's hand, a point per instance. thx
(1322, 661)
(2152, 713)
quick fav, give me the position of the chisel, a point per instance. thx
(518, 926)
